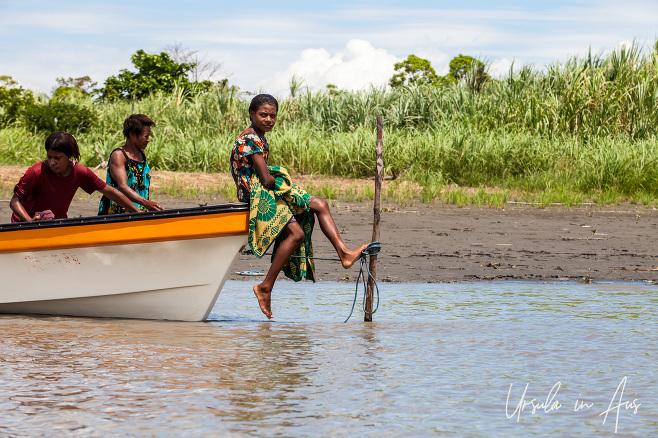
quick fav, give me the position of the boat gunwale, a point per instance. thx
(126, 217)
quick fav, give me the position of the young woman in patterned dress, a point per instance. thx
(249, 156)
(128, 170)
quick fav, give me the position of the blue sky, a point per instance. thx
(351, 44)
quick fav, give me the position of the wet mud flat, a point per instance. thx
(439, 243)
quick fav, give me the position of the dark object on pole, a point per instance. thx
(377, 208)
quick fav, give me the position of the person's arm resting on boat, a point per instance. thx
(119, 198)
(19, 210)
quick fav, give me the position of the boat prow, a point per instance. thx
(167, 264)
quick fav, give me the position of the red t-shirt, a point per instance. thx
(40, 189)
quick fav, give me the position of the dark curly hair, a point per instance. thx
(136, 124)
(63, 142)
(262, 99)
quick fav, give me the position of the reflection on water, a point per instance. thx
(440, 359)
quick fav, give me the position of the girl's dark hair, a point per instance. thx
(63, 142)
(262, 99)
(136, 124)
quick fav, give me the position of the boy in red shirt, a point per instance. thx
(47, 188)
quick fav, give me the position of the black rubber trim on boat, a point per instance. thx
(126, 217)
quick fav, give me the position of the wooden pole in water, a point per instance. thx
(377, 209)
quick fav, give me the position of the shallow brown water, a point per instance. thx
(440, 359)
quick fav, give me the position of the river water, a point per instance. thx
(468, 359)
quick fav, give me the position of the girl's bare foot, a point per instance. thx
(264, 300)
(350, 257)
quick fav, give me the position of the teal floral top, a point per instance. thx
(248, 143)
(139, 179)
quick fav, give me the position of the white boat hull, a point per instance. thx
(176, 272)
(177, 280)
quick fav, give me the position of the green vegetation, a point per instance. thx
(583, 131)
(73, 87)
(175, 69)
(155, 73)
(415, 71)
(55, 115)
(14, 101)
(20, 107)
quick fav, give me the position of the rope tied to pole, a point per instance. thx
(372, 250)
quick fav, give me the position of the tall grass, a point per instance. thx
(586, 127)
(588, 98)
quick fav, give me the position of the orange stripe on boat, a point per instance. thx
(128, 232)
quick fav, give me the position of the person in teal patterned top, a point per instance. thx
(128, 170)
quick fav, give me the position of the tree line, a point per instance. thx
(590, 96)
(419, 71)
(70, 107)
(176, 68)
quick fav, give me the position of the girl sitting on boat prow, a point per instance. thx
(249, 158)
(128, 170)
(47, 188)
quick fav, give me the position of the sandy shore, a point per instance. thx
(447, 244)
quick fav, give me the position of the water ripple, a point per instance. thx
(439, 359)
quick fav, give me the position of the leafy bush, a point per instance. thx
(60, 116)
(154, 73)
(13, 101)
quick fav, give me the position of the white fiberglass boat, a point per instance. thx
(168, 264)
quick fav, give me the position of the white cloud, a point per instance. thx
(262, 48)
(624, 45)
(440, 60)
(359, 65)
(500, 67)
